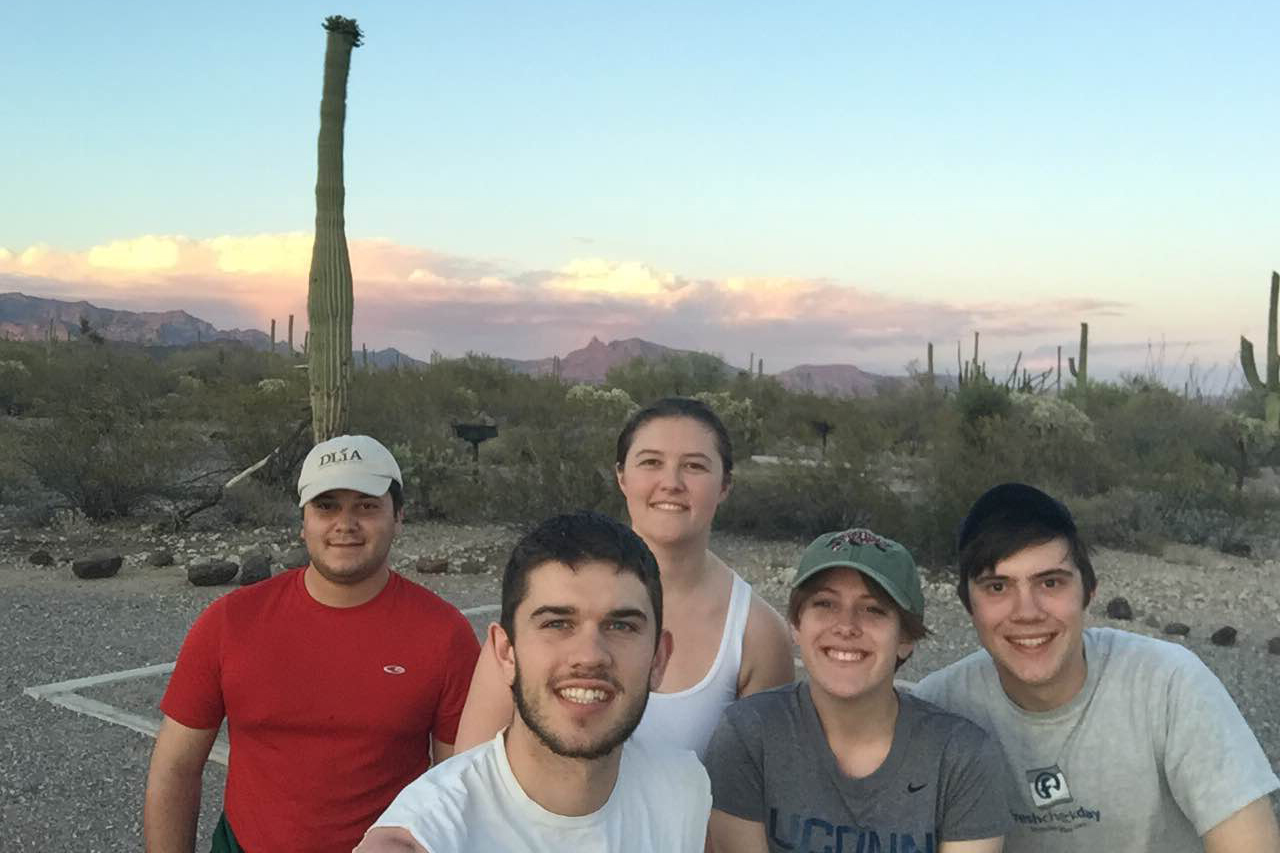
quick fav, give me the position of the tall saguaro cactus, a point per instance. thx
(1272, 386)
(1080, 370)
(329, 293)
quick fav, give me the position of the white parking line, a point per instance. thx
(64, 694)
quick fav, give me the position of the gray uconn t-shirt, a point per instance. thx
(769, 762)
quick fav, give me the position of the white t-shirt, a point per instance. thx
(472, 802)
(1149, 756)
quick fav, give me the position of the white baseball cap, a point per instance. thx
(361, 463)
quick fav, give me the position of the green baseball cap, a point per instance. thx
(877, 557)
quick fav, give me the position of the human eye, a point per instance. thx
(992, 587)
(696, 465)
(555, 624)
(875, 609)
(823, 603)
(649, 462)
(622, 626)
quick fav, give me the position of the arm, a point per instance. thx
(729, 833)
(489, 706)
(171, 806)
(995, 843)
(440, 751)
(395, 839)
(767, 658)
(1252, 828)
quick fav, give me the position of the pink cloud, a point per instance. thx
(420, 300)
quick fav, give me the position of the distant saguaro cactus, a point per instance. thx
(1272, 386)
(1081, 370)
(329, 293)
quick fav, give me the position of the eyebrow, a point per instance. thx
(569, 611)
(1056, 570)
(663, 453)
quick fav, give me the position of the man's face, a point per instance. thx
(349, 534)
(583, 658)
(1029, 614)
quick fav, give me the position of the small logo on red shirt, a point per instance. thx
(393, 669)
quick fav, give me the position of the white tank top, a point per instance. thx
(686, 719)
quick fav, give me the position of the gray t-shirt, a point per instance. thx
(1149, 756)
(769, 762)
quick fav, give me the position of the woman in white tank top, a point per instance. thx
(674, 466)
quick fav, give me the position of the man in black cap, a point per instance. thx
(1115, 741)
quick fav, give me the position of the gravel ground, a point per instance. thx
(71, 782)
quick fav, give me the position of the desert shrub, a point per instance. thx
(797, 501)
(540, 471)
(253, 503)
(439, 479)
(683, 374)
(982, 400)
(740, 418)
(107, 466)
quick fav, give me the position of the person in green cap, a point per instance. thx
(842, 761)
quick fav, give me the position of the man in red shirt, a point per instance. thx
(340, 681)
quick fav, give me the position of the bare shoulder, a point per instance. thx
(767, 657)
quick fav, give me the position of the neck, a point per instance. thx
(560, 785)
(860, 730)
(336, 595)
(684, 566)
(1046, 698)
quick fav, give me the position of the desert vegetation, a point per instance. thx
(110, 430)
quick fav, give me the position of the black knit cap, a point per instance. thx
(1015, 504)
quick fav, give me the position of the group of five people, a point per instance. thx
(635, 694)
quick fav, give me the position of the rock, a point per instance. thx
(1152, 621)
(1273, 646)
(41, 558)
(255, 568)
(1179, 629)
(99, 565)
(295, 557)
(473, 566)
(1119, 609)
(160, 557)
(210, 573)
(432, 565)
(1225, 636)
(1239, 548)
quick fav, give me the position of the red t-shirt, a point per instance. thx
(330, 711)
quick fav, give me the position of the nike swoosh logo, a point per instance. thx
(913, 789)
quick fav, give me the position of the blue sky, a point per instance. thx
(914, 170)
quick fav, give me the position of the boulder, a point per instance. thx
(1239, 548)
(1225, 636)
(254, 568)
(1151, 621)
(432, 565)
(473, 566)
(160, 557)
(1119, 609)
(41, 558)
(295, 557)
(99, 565)
(1179, 629)
(1273, 646)
(210, 573)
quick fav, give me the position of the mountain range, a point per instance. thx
(28, 318)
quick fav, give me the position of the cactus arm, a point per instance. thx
(1247, 363)
(1273, 358)
(1071, 366)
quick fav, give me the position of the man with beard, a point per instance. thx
(339, 681)
(580, 642)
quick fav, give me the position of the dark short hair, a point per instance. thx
(678, 407)
(1009, 518)
(912, 624)
(397, 497)
(574, 539)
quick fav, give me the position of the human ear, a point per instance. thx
(504, 651)
(661, 656)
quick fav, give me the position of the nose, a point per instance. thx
(672, 477)
(1026, 604)
(589, 648)
(848, 624)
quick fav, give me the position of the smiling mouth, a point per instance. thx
(845, 655)
(668, 505)
(1031, 643)
(584, 696)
